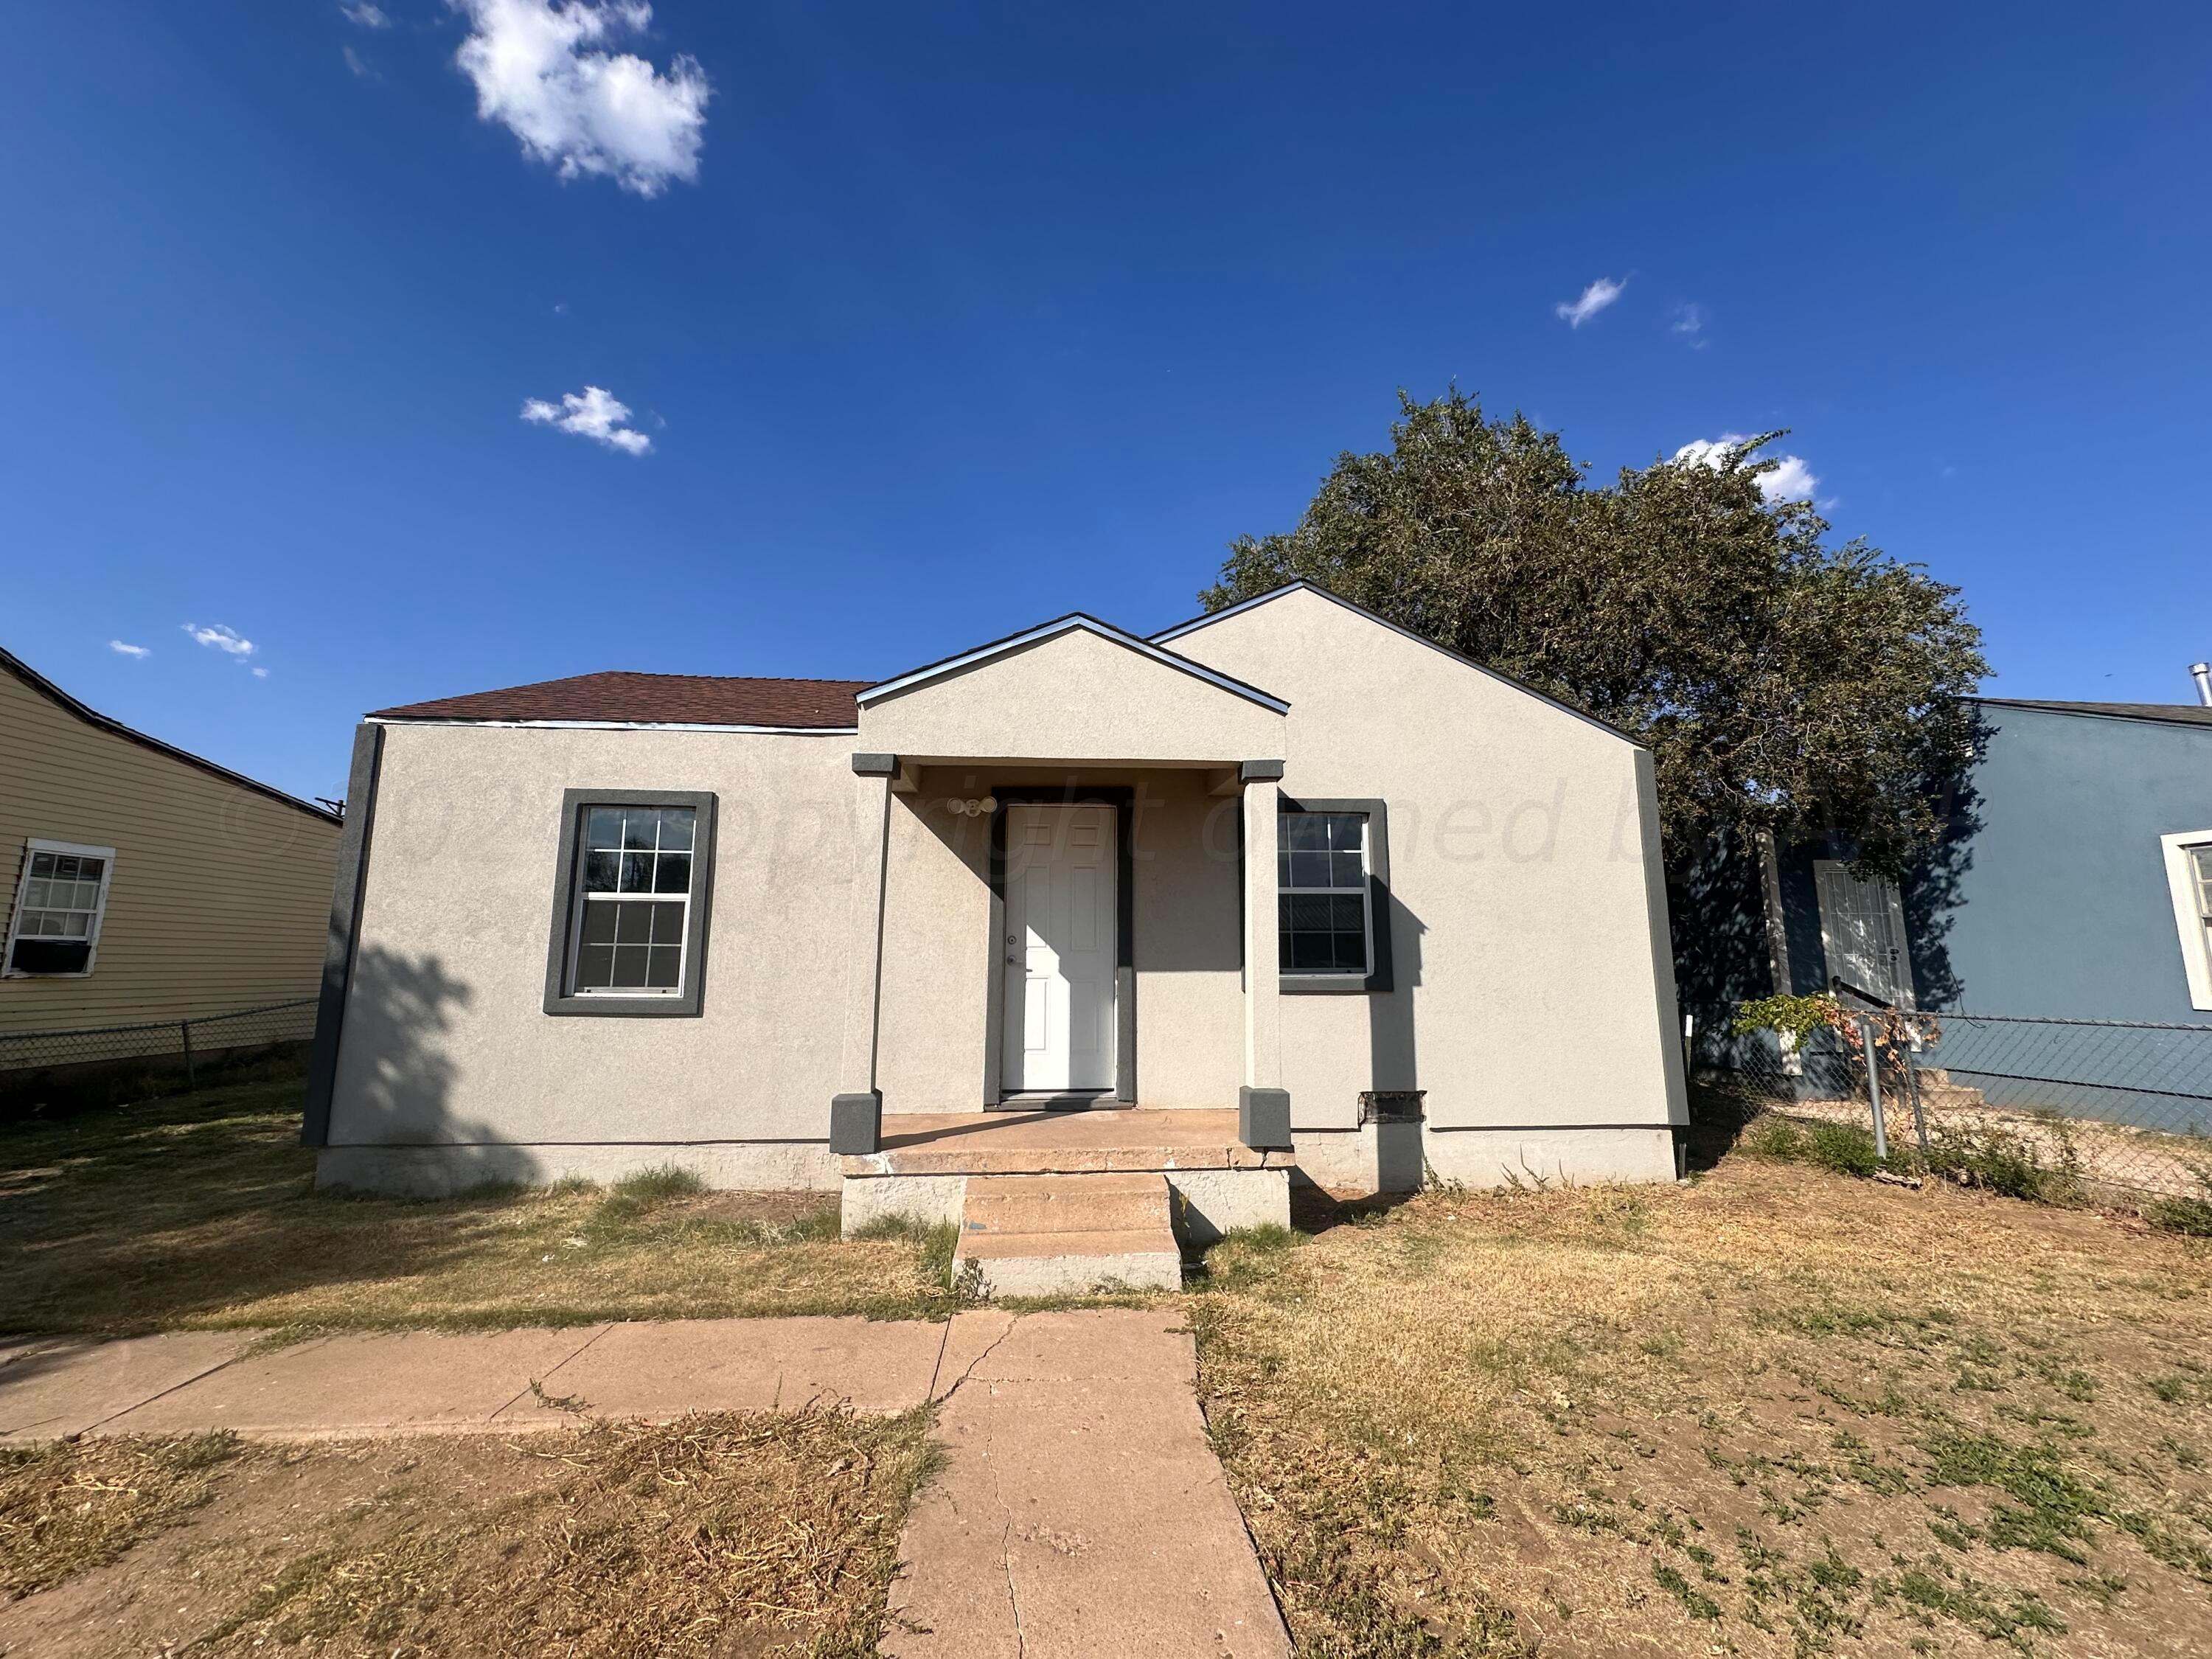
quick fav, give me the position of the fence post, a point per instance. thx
(1874, 1087)
(184, 1027)
(1912, 1084)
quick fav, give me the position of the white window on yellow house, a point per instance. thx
(60, 899)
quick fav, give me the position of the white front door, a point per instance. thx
(1059, 949)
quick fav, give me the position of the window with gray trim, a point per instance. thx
(1321, 872)
(636, 899)
(631, 892)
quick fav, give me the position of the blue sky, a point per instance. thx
(933, 321)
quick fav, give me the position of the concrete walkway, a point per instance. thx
(1080, 1509)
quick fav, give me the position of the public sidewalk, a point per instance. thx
(1080, 1509)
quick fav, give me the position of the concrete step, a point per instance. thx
(1065, 1235)
(1072, 1264)
(1082, 1203)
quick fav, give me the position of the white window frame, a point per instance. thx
(586, 898)
(1344, 975)
(37, 844)
(2191, 921)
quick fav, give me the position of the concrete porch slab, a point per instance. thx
(1060, 1142)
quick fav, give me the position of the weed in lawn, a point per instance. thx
(1695, 1602)
(2054, 1509)
(637, 1195)
(1979, 1606)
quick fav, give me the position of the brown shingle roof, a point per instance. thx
(655, 700)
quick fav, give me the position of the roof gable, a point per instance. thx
(1075, 621)
(1314, 588)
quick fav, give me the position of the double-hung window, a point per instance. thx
(630, 917)
(59, 903)
(1332, 874)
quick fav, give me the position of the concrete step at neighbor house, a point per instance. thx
(1058, 1235)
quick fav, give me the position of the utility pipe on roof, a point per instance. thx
(2203, 673)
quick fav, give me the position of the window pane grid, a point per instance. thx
(1321, 872)
(636, 880)
(58, 908)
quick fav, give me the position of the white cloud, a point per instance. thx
(1595, 298)
(1690, 322)
(583, 110)
(130, 650)
(593, 413)
(1791, 480)
(365, 16)
(219, 638)
(260, 673)
(354, 62)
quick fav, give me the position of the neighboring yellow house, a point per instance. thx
(140, 882)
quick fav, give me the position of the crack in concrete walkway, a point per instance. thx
(1080, 1509)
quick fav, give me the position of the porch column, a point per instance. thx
(856, 1111)
(1263, 1105)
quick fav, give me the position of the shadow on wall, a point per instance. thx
(396, 1078)
(1932, 891)
(1394, 1059)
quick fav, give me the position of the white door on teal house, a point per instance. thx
(1862, 932)
(1059, 949)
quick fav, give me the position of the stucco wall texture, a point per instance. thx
(1535, 985)
(1533, 989)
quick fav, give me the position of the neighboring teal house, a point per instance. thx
(2074, 886)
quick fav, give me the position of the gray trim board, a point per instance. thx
(1123, 798)
(1259, 771)
(347, 888)
(875, 766)
(568, 901)
(1073, 622)
(1381, 975)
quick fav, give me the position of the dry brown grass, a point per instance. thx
(199, 1212)
(1777, 1411)
(718, 1535)
(66, 1508)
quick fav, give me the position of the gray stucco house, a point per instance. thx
(1285, 889)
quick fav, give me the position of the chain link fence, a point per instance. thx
(41, 1070)
(2108, 1111)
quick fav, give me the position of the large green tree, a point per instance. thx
(1783, 683)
